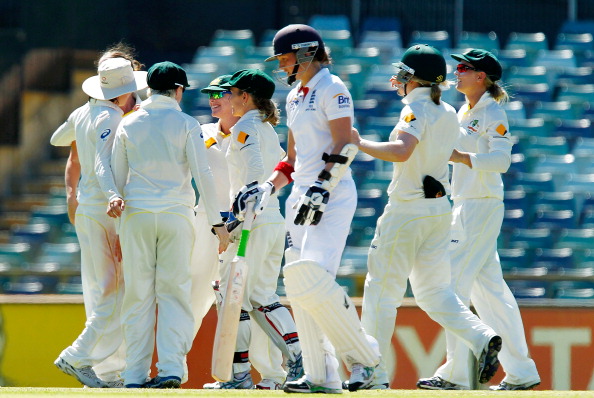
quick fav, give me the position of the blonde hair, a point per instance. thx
(436, 88)
(121, 50)
(268, 110)
(497, 91)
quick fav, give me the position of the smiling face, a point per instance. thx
(468, 78)
(220, 105)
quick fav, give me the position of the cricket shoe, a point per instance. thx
(268, 384)
(241, 381)
(381, 386)
(306, 387)
(437, 383)
(295, 369)
(163, 382)
(514, 387)
(85, 375)
(361, 377)
(114, 384)
(488, 362)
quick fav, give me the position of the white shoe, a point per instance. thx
(268, 384)
(361, 377)
(241, 381)
(85, 375)
(305, 386)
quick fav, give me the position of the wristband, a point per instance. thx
(286, 169)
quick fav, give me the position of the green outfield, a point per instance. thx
(76, 392)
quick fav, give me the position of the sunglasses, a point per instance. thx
(461, 68)
(217, 94)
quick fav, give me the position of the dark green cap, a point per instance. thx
(252, 81)
(166, 75)
(215, 85)
(427, 62)
(482, 60)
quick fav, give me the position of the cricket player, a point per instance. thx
(157, 151)
(412, 235)
(93, 127)
(481, 155)
(263, 353)
(253, 152)
(318, 212)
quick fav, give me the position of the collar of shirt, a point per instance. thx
(314, 80)
(220, 130)
(160, 101)
(417, 94)
(105, 103)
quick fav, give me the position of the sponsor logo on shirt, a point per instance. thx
(105, 133)
(409, 118)
(242, 137)
(501, 129)
(344, 101)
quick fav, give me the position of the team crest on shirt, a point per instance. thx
(105, 134)
(473, 126)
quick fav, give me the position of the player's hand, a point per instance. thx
(259, 195)
(118, 249)
(72, 204)
(311, 205)
(116, 207)
(223, 236)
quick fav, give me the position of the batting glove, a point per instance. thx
(311, 205)
(259, 195)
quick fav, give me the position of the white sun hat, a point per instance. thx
(115, 78)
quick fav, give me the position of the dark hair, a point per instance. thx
(323, 57)
(270, 113)
(121, 50)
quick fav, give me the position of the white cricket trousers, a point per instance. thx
(157, 249)
(411, 241)
(264, 355)
(103, 291)
(477, 276)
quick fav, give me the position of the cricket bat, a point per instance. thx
(228, 317)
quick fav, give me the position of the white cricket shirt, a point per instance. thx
(308, 116)
(436, 128)
(157, 151)
(485, 134)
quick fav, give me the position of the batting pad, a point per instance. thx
(315, 291)
(277, 323)
(292, 254)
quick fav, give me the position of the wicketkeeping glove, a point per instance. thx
(252, 193)
(311, 205)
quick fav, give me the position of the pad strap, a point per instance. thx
(334, 158)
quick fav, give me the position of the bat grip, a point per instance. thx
(245, 231)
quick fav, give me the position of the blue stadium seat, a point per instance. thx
(329, 22)
(337, 42)
(383, 125)
(579, 75)
(381, 24)
(553, 110)
(528, 289)
(577, 239)
(573, 289)
(556, 60)
(30, 284)
(579, 183)
(240, 39)
(560, 167)
(562, 257)
(16, 253)
(534, 182)
(515, 110)
(547, 146)
(354, 76)
(576, 42)
(439, 39)
(513, 57)
(555, 219)
(488, 41)
(366, 57)
(518, 164)
(558, 200)
(578, 26)
(73, 285)
(374, 198)
(513, 258)
(267, 37)
(530, 42)
(576, 93)
(223, 57)
(531, 127)
(33, 234)
(529, 75)
(514, 218)
(517, 199)
(531, 238)
(383, 40)
(532, 92)
(362, 227)
(574, 128)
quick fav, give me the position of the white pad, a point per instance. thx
(315, 291)
(338, 170)
(276, 321)
(292, 254)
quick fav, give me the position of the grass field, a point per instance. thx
(77, 392)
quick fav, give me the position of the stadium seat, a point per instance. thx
(381, 24)
(33, 234)
(488, 41)
(267, 37)
(532, 127)
(580, 183)
(555, 219)
(240, 39)
(573, 289)
(579, 75)
(377, 180)
(529, 75)
(534, 182)
(556, 60)
(532, 92)
(577, 239)
(576, 42)
(385, 41)
(530, 42)
(513, 258)
(337, 42)
(382, 124)
(329, 22)
(562, 257)
(528, 289)
(578, 26)
(576, 93)
(224, 57)
(560, 166)
(517, 199)
(554, 110)
(73, 285)
(574, 128)
(366, 57)
(374, 198)
(515, 110)
(439, 39)
(514, 218)
(29, 284)
(362, 227)
(547, 146)
(558, 200)
(531, 238)
(16, 253)
(514, 57)
(354, 75)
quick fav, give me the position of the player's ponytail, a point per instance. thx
(268, 110)
(497, 91)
